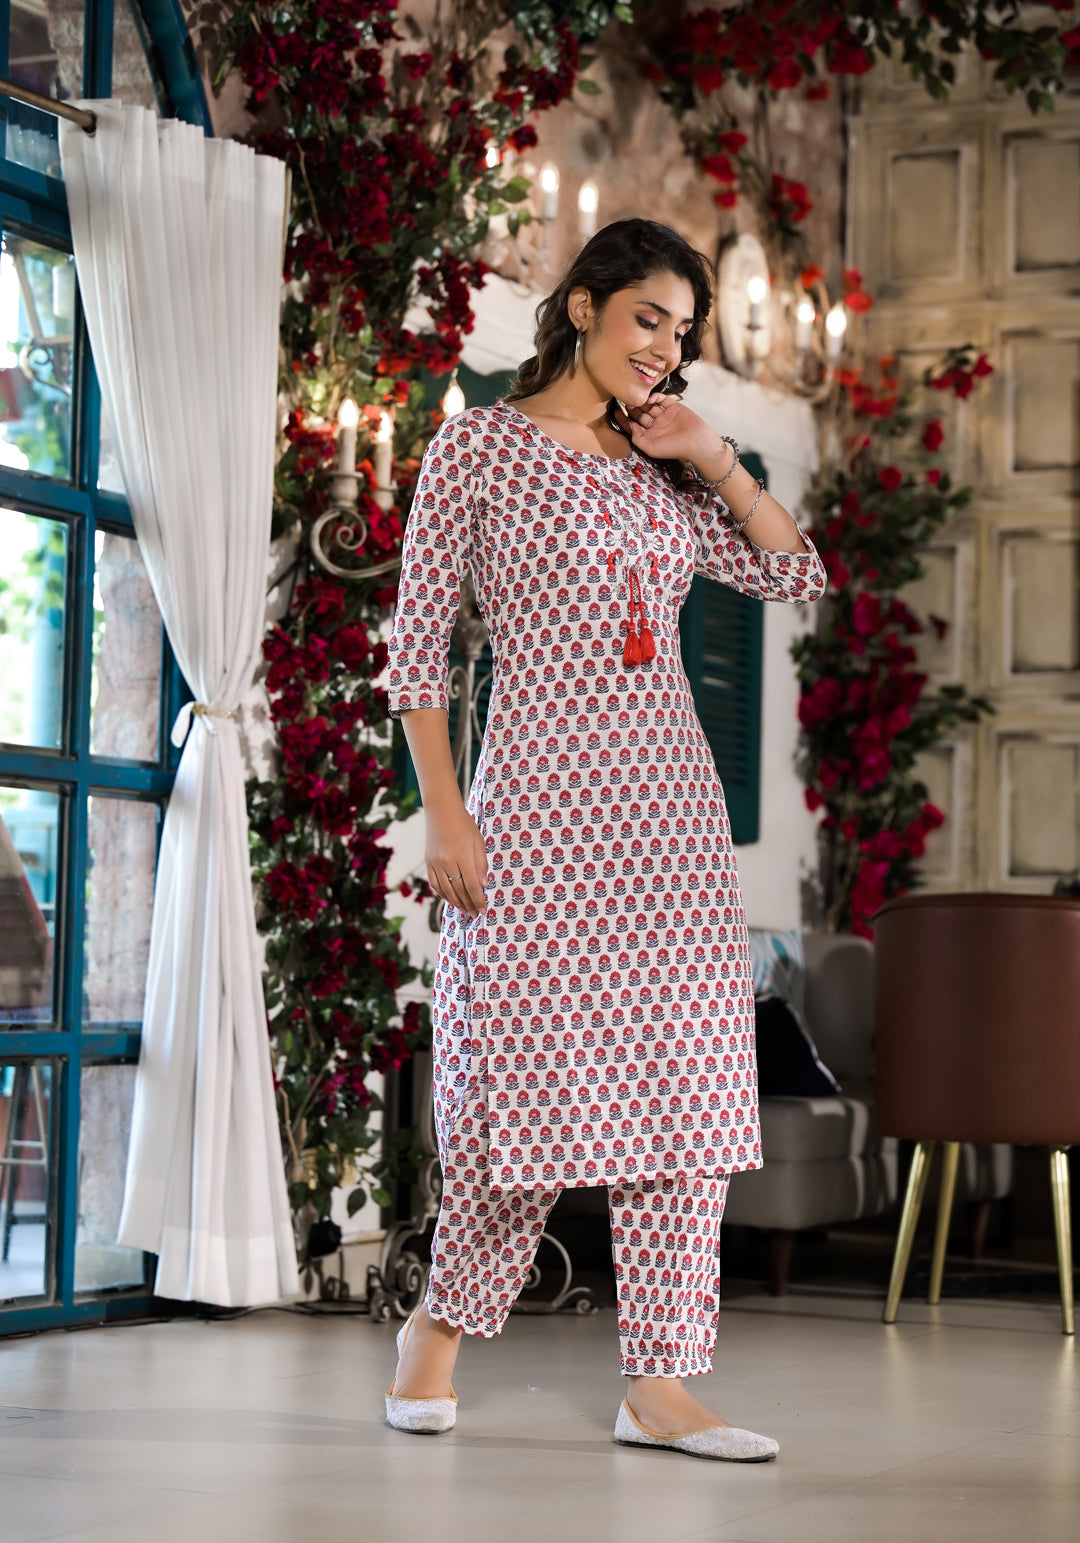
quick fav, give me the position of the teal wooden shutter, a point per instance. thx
(722, 633)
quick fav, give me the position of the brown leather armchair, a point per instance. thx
(977, 1012)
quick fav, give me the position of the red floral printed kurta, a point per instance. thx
(604, 999)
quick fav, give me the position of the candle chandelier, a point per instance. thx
(343, 528)
(750, 311)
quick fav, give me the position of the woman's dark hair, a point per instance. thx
(624, 253)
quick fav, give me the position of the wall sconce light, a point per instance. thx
(344, 482)
(805, 316)
(588, 201)
(549, 190)
(835, 328)
(756, 290)
(454, 399)
(384, 460)
(743, 309)
(348, 417)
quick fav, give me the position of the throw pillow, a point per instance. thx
(788, 1062)
(779, 966)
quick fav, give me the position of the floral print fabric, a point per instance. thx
(604, 1000)
(664, 1238)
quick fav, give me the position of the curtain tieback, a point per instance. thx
(200, 710)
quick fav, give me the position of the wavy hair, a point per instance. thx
(624, 253)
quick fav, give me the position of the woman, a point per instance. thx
(593, 1001)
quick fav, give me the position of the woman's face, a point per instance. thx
(636, 339)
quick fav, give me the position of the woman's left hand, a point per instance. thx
(668, 430)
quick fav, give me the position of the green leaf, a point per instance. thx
(517, 189)
(381, 1197)
(588, 87)
(356, 1200)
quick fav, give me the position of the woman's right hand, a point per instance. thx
(456, 857)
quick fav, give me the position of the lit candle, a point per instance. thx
(454, 400)
(588, 201)
(756, 290)
(384, 456)
(835, 327)
(549, 187)
(492, 157)
(348, 418)
(804, 325)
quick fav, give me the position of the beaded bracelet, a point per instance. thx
(738, 524)
(727, 439)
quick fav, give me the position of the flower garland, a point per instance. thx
(396, 145)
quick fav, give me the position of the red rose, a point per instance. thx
(933, 436)
(727, 199)
(352, 646)
(933, 475)
(818, 91)
(523, 138)
(708, 78)
(731, 140)
(786, 75)
(720, 167)
(891, 478)
(810, 276)
(982, 365)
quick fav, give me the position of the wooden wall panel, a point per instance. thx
(964, 218)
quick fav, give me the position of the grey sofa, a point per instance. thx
(826, 1163)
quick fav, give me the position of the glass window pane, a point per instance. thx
(37, 310)
(25, 1158)
(109, 478)
(46, 52)
(33, 586)
(104, 1131)
(132, 78)
(29, 825)
(119, 899)
(125, 691)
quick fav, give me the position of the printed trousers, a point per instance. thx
(665, 1234)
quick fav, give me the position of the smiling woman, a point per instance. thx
(593, 1003)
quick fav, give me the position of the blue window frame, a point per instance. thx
(88, 691)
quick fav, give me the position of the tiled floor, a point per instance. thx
(959, 1423)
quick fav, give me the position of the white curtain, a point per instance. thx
(178, 244)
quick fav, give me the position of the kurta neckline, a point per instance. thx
(574, 455)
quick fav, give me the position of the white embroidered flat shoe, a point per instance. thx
(724, 1443)
(422, 1416)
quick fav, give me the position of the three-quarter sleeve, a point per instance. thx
(436, 548)
(733, 559)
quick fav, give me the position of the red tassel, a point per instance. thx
(648, 647)
(631, 653)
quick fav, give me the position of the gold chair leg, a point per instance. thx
(950, 1158)
(1059, 1185)
(909, 1220)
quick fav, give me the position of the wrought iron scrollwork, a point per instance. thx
(343, 529)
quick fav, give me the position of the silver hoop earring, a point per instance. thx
(577, 348)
